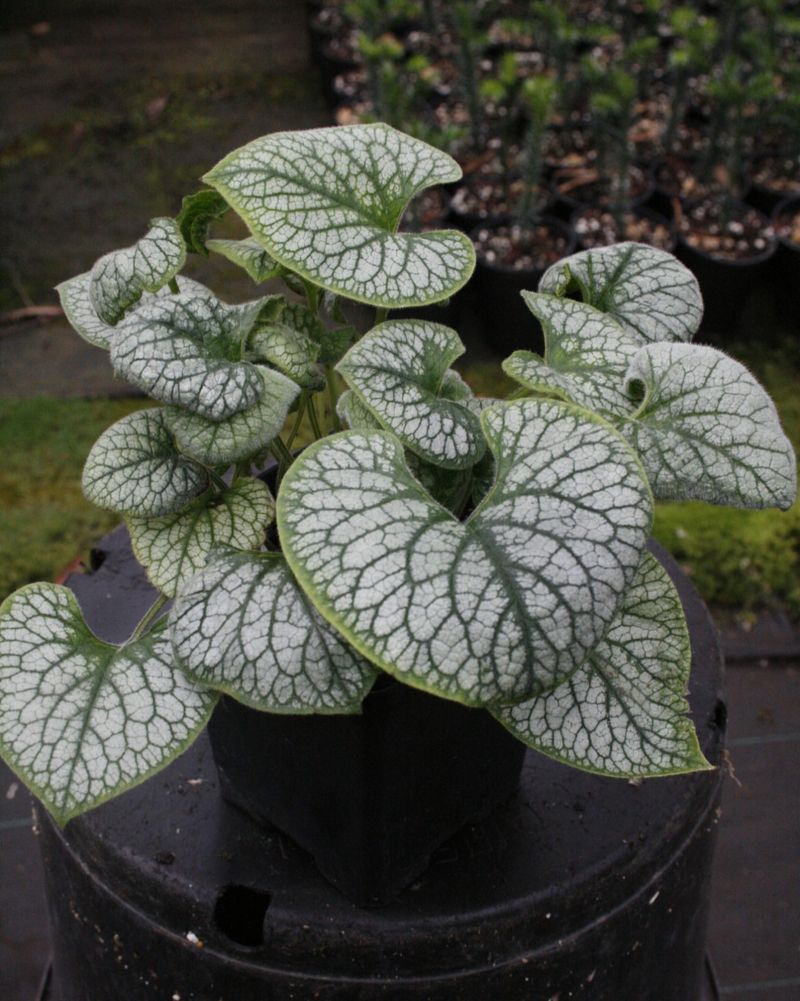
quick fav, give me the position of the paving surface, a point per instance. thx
(755, 921)
(110, 112)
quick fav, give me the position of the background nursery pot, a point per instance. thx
(506, 322)
(578, 884)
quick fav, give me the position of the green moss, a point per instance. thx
(45, 519)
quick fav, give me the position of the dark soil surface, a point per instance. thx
(585, 185)
(596, 228)
(734, 233)
(776, 172)
(787, 224)
(520, 247)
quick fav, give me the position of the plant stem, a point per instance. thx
(173, 286)
(333, 396)
(312, 295)
(148, 617)
(281, 453)
(312, 416)
(216, 479)
(301, 409)
(380, 314)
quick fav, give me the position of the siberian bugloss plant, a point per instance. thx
(493, 552)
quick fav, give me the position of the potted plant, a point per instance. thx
(470, 572)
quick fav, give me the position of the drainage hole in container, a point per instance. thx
(239, 914)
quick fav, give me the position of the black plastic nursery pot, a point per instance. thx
(786, 264)
(727, 286)
(506, 322)
(575, 887)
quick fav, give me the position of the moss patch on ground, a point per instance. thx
(46, 522)
(738, 559)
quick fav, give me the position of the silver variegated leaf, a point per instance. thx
(400, 371)
(80, 312)
(135, 468)
(81, 720)
(174, 547)
(187, 350)
(586, 355)
(623, 713)
(243, 626)
(490, 610)
(707, 430)
(292, 344)
(250, 255)
(647, 291)
(326, 203)
(118, 279)
(217, 443)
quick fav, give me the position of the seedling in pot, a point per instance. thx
(490, 552)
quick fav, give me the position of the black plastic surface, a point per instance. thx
(578, 887)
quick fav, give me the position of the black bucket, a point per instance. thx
(578, 887)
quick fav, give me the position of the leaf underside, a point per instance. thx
(326, 203)
(250, 255)
(80, 720)
(176, 546)
(647, 291)
(490, 610)
(243, 626)
(623, 712)
(118, 279)
(707, 430)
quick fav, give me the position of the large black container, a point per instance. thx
(579, 887)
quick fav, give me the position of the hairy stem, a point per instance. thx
(148, 617)
(333, 396)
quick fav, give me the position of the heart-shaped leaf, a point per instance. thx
(707, 430)
(586, 355)
(118, 279)
(194, 220)
(326, 203)
(187, 349)
(490, 610)
(135, 468)
(292, 344)
(80, 312)
(623, 712)
(243, 626)
(81, 720)
(400, 371)
(647, 291)
(217, 443)
(250, 255)
(174, 547)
